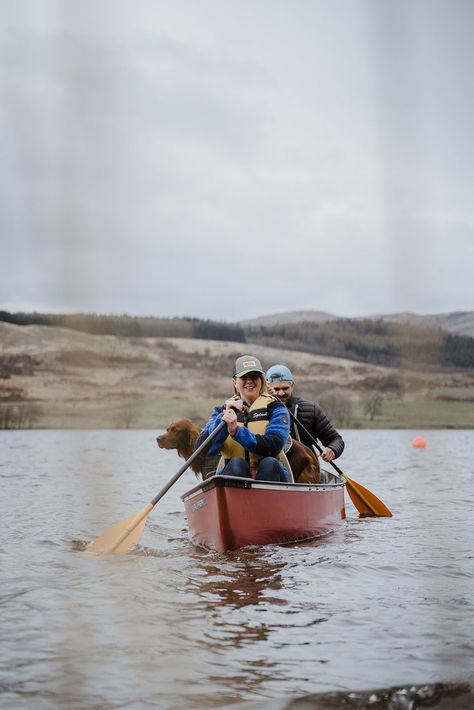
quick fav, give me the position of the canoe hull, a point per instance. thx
(227, 513)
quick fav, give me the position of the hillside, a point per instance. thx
(60, 378)
(459, 323)
(289, 317)
(376, 342)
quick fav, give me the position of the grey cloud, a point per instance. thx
(326, 145)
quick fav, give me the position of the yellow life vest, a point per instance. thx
(256, 420)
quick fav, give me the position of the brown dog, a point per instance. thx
(182, 435)
(304, 463)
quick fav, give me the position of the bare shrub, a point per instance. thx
(372, 405)
(20, 415)
(338, 408)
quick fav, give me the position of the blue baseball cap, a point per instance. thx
(278, 373)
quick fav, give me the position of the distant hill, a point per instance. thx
(377, 341)
(290, 317)
(130, 326)
(54, 377)
(459, 322)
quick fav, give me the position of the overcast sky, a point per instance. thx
(227, 159)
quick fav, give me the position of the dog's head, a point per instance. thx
(180, 435)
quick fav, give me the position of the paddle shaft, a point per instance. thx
(187, 463)
(369, 499)
(297, 421)
(125, 534)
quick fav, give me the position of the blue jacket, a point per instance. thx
(268, 444)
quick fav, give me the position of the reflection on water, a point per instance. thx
(385, 602)
(249, 579)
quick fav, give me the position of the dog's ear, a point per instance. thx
(191, 436)
(182, 434)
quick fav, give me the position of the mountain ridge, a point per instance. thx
(457, 322)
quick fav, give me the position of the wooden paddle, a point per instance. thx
(364, 500)
(124, 535)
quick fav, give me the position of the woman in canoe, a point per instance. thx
(257, 429)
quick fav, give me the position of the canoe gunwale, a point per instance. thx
(236, 482)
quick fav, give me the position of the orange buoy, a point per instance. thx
(419, 442)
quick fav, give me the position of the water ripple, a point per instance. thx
(383, 601)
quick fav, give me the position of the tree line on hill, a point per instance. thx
(132, 326)
(377, 342)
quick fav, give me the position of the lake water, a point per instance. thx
(385, 603)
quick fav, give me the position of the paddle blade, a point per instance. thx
(122, 536)
(364, 500)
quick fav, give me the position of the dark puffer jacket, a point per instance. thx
(314, 419)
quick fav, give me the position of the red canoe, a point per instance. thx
(227, 513)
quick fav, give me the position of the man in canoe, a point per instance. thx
(280, 383)
(257, 428)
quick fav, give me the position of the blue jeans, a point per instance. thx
(269, 469)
